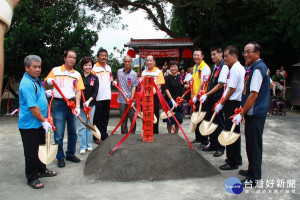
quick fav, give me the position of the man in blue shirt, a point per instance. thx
(32, 123)
(255, 103)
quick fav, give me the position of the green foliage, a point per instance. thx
(290, 20)
(115, 64)
(47, 29)
(237, 22)
(275, 24)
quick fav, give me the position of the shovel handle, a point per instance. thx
(200, 107)
(116, 86)
(60, 92)
(48, 133)
(231, 131)
(82, 96)
(233, 127)
(212, 118)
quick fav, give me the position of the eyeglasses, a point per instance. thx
(247, 52)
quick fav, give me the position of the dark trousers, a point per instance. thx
(123, 107)
(254, 127)
(200, 138)
(219, 120)
(31, 139)
(233, 151)
(156, 113)
(101, 117)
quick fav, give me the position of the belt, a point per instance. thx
(61, 99)
(233, 101)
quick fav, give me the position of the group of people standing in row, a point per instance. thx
(247, 89)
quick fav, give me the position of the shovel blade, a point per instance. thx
(96, 133)
(223, 137)
(194, 117)
(86, 125)
(206, 129)
(46, 156)
(234, 137)
(228, 138)
(192, 127)
(140, 114)
(164, 116)
(154, 119)
(198, 117)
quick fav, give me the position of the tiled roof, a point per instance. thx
(136, 43)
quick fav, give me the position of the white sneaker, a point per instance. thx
(89, 149)
(82, 151)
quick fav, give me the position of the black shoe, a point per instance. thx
(248, 183)
(218, 153)
(203, 146)
(73, 159)
(61, 163)
(209, 148)
(195, 142)
(244, 172)
(228, 167)
(240, 162)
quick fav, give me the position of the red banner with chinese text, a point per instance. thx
(160, 52)
(148, 110)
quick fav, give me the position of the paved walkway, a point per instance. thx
(280, 164)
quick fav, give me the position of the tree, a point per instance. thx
(48, 28)
(155, 9)
(237, 22)
(272, 23)
(290, 20)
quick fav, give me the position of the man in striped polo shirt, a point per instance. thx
(128, 81)
(104, 74)
(66, 77)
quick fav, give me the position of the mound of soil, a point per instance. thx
(168, 157)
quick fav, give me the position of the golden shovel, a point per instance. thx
(96, 133)
(208, 127)
(198, 116)
(92, 128)
(192, 127)
(228, 137)
(47, 152)
(140, 114)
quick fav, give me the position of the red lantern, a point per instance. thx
(187, 53)
(131, 53)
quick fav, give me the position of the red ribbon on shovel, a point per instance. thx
(86, 109)
(237, 111)
(70, 103)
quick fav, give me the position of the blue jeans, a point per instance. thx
(61, 114)
(84, 134)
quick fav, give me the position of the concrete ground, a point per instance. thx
(280, 167)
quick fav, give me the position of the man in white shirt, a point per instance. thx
(232, 100)
(104, 74)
